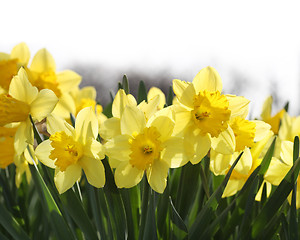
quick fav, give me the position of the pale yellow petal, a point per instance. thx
(219, 163)
(153, 92)
(43, 62)
(68, 80)
(149, 108)
(208, 79)
(4, 56)
(43, 151)
(285, 130)
(23, 137)
(245, 163)
(297, 196)
(225, 142)
(94, 171)
(164, 125)
(187, 97)
(22, 53)
(114, 163)
(232, 187)
(65, 106)
(118, 148)
(121, 100)
(88, 92)
(66, 179)
(276, 171)
(110, 128)
(174, 152)
(268, 188)
(179, 87)
(127, 176)
(183, 118)
(267, 108)
(286, 153)
(57, 124)
(21, 89)
(43, 105)
(261, 130)
(157, 176)
(238, 105)
(94, 149)
(86, 124)
(132, 121)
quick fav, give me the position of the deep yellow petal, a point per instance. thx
(21, 89)
(43, 151)
(22, 53)
(43, 62)
(127, 176)
(94, 171)
(43, 105)
(157, 175)
(66, 179)
(208, 79)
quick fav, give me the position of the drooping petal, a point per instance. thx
(43, 105)
(23, 137)
(225, 142)
(232, 187)
(261, 130)
(22, 53)
(174, 152)
(94, 171)
(127, 176)
(68, 80)
(86, 124)
(208, 79)
(132, 120)
(157, 175)
(238, 105)
(43, 151)
(66, 179)
(21, 89)
(219, 163)
(118, 148)
(57, 124)
(110, 128)
(164, 125)
(43, 62)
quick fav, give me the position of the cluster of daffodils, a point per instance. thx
(140, 139)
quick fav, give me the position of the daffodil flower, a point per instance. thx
(43, 75)
(10, 64)
(203, 114)
(144, 147)
(70, 150)
(22, 101)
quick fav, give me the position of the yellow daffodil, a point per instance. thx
(203, 114)
(249, 161)
(10, 64)
(69, 150)
(145, 147)
(267, 117)
(21, 101)
(43, 75)
(153, 92)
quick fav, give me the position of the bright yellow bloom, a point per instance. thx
(145, 147)
(10, 64)
(43, 75)
(21, 101)
(153, 92)
(69, 150)
(266, 115)
(203, 114)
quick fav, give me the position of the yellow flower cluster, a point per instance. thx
(139, 139)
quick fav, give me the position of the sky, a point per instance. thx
(256, 41)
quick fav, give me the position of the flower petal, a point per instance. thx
(164, 125)
(219, 163)
(149, 108)
(43, 62)
(261, 130)
(132, 120)
(65, 106)
(57, 124)
(118, 148)
(238, 105)
(232, 187)
(225, 142)
(276, 171)
(174, 152)
(121, 100)
(23, 137)
(127, 176)
(187, 97)
(43, 105)
(86, 124)
(68, 80)
(179, 87)
(157, 175)
(66, 179)
(183, 118)
(208, 79)
(245, 163)
(22, 53)
(267, 108)
(94, 171)
(94, 149)
(153, 92)
(110, 128)
(259, 193)
(43, 151)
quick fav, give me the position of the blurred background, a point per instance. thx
(255, 46)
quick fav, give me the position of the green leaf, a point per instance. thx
(150, 232)
(142, 93)
(170, 97)
(176, 219)
(286, 106)
(275, 201)
(144, 207)
(125, 84)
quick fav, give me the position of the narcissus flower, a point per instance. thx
(43, 75)
(21, 101)
(203, 114)
(10, 64)
(153, 92)
(267, 117)
(70, 150)
(144, 147)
